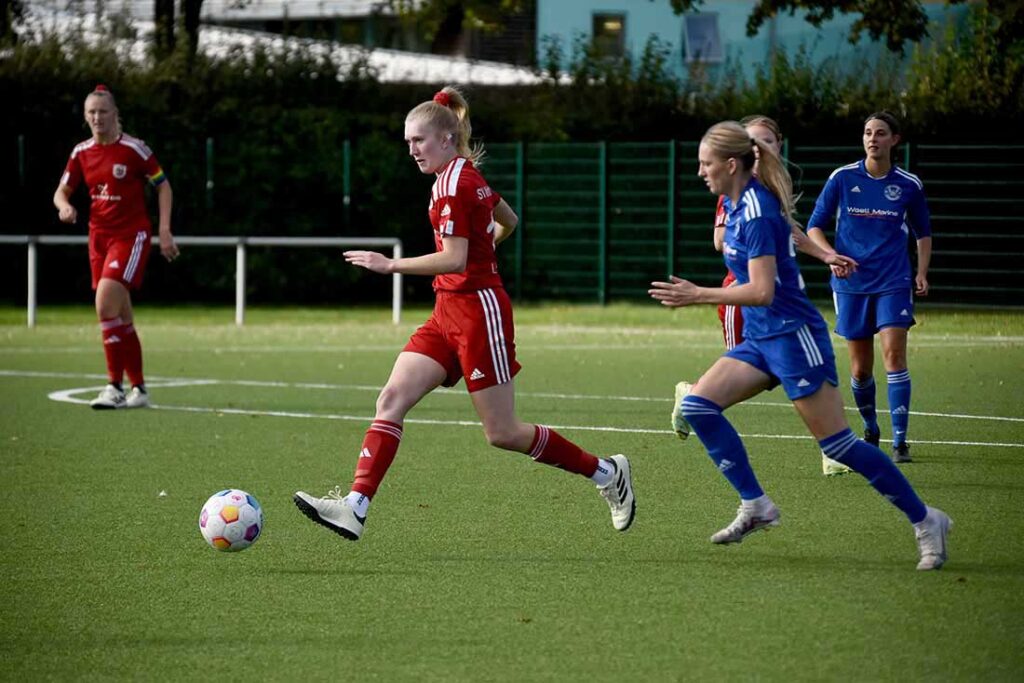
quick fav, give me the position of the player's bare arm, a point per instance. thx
(924, 259)
(841, 265)
(760, 291)
(452, 259)
(165, 199)
(62, 201)
(505, 220)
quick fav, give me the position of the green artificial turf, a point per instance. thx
(478, 564)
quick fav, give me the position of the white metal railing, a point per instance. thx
(240, 244)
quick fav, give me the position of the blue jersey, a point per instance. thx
(874, 217)
(756, 227)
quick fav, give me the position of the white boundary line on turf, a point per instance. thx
(186, 381)
(67, 396)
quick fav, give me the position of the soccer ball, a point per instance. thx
(231, 520)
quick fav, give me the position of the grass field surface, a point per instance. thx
(478, 564)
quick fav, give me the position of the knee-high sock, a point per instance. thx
(723, 445)
(864, 396)
(551, 448)
(378, 452)
(113, 348)
(875, 466)
(899, 404)
(132, 349)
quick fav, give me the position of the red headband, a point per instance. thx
(442, 98)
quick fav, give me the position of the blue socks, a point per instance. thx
(723, 445)
(872, 464)
(864, 397)
(899, 404)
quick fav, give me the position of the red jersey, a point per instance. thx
(720, 212)
(115, 176)
(462, 205)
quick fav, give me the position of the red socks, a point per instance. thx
(113, 342)
(379, 448)
(131, 349)
(551, 448)
(123, 351)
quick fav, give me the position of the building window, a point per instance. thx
(610, 35)
(703, 42)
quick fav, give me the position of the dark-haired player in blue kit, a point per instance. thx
(875, 205)
(786, 342)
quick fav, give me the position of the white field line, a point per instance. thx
(68, 396)
(186, 381)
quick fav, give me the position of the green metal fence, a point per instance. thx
(601, 220)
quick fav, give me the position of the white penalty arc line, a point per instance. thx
(184, 381)
(68, 396)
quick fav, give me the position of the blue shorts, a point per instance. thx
(861, 316)
(801, 361)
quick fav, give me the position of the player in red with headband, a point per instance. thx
(115, 168)
(470, 333)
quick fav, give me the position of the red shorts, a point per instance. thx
(731, 318)
(119, 257)
(471, 334)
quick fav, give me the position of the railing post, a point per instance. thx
(396, 287)
(240, 282)
(670, 245)
(602, 223)
(32, 278)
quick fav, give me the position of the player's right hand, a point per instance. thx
(67, 214)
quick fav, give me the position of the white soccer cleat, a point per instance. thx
(931, 533)
(619, 493)
(110, 398)
(679, 424)
(833, 468)
(331, 511)
(746, 523)
(137, 398)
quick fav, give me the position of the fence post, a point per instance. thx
(346, 181)
(906, 156)
(671, 205)
(240, 282)
(520, 201)
(32, 280)
(602, 223)
(209, 173)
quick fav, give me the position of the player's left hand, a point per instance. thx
(167, 246)
(678, 292)
(841, 265)
(921, 282)
(371, 260)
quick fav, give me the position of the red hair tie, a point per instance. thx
(442, 98)
(101, 88)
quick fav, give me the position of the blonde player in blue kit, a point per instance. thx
(787, 343)
(876, 205)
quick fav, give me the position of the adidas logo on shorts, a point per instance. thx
(476, 374)
(803, 383)
(114, 264)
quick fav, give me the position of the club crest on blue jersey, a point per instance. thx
(893, 192)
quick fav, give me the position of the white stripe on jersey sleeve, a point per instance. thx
(910, 176)
(81, 147)
(453, 180)
(138, 145)
(848, 167)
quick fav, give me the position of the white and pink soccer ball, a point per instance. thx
(231, 520)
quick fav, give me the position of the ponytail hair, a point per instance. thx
(448, 112)
(730, 140)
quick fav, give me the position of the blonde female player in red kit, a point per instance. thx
(116, 168)
(470, 333)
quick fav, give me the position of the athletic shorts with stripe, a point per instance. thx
(801, 361)
(731, 318)
(862, 316)
(471, 335)
(119, 257)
